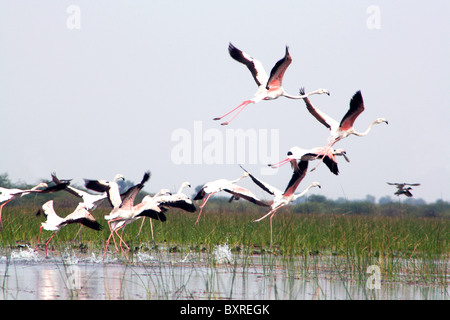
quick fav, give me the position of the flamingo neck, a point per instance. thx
(362, 134)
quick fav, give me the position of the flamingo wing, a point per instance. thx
(201, 194)
(277, 72)
(153, 214)
(255, 66)
(356, 107)
(323, 118)
(244, 193)
(263, 185)
(296, 178)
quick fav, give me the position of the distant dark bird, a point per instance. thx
(55, 222)
(229, 186)
(269, 88)
(401, 188)
(6, 195)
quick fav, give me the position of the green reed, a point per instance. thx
(399, 245)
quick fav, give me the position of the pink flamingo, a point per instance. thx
(269, 88)
(280, 198)
(55, 222)
(6, 195)
(229, 186)
(328, 155)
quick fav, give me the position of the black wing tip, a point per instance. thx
(200, 195)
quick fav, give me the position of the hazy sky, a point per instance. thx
(89, 89)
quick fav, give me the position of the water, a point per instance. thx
(26, 274)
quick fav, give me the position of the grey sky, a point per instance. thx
(108, 97)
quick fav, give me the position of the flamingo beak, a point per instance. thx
(279, 164)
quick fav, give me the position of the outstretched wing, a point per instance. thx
(255, 66)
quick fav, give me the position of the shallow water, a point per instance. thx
(26, 274)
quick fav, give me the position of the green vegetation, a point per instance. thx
(400, 238)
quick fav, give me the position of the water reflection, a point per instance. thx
(181, 277)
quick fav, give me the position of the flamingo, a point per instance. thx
(269, 88)
(90, 201)
(213, 187)
(124, 213)
(6, 195)
(281, 199)
(401, 188)
(55, 222)
(345, 128)
(327, 154)
(165, 199)
(110, 187)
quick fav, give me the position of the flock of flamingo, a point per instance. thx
(124, 211)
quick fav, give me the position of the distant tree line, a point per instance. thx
(386, 206)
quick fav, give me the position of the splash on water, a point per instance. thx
(222, 254)
(25, 254)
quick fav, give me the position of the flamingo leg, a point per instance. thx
(46, 244)
(201, 207)
(241, 106)
(39, 237)
(140, 228)
(120, 243)
(1, 209)
(270, 212)
(151, 227)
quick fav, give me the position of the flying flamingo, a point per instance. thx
(345, 128)
(280, 199)
(55, 222)
(124, 213)
(327, 154)
(401, 188)
(165, 199)
(110, 187)
(90, 201)
(6, 195)
(213, 187)
(269, 88)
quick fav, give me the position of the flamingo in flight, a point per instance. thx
(55, 222)
(229, 186)
(328, 156)
(124, 213)
(280, 198)
(110, 187)
(269, 88)
(6, 195)
(401, 188)
(165, 199)
(345, 128)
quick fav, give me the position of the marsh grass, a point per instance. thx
(415, 248)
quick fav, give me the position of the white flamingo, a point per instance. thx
(124, 213)
(8, 194)
(341, 130)
(229, 186)
(165, 199)
(280, 198)
(110, 187)
(55, 222)
(328, 156)
(269, 88)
